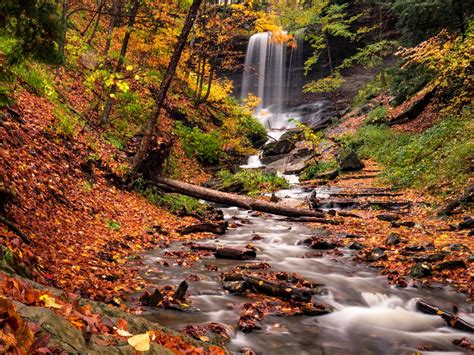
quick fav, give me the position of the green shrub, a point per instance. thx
(113, 225)
(311, 171)
(255, 132)
(407, 81)
(36, 78)
(206, 147)
(253, 181)
(175, 203)
(377, 115)
(438, 160)
(370, 90)
(65, 125)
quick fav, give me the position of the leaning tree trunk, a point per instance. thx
(231, 199)
(165, 84)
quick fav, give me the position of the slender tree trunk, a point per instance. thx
(165, 84)
(203, 99)
(332, 94)
(121, 59)
(96, 25)
(62, 42)
(110, 30)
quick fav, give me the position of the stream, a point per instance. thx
(370, 315)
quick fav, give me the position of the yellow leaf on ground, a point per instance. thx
(49, 302)
(140, 342)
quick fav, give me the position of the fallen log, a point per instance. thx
(451, 319)
(209, 227)
(314, 220)
(231, 199)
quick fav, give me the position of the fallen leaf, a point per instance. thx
(50, 302)
(140, 342)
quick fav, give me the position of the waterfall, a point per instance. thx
(269, 74)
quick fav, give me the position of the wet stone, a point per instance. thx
(451, 265)
(393, 239)
(356, 246)
(471, 258)
(467, 223)
(387, 217)
(407, 224)
(376, 254)
(430, 258)
(322, 244)
(458, 247)
(414, 248)
(420, 270)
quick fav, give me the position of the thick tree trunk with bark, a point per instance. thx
(165, 84)
(231, 199)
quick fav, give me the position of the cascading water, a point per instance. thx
(273, 73)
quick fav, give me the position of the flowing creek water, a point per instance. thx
(370, 316)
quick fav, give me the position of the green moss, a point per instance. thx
(206, 147)
(175, 203)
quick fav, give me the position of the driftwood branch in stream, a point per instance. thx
(231, 199)
(451, 319)
(221, 252)
(260, 285)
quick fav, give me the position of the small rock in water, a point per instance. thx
(247, 351)
(388, 217)
(393, 239)
(356, 246)
(471, 258)
(450, 265)
(420, 270)
(376, 254)
(257, 237)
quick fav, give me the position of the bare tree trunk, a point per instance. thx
(121, 59)
(108, 40)
(62, 42)
(96, 25)
(165, 84)
(231, 199)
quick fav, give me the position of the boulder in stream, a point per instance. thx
(376, 254)
(420, 270)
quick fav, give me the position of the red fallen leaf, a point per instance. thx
(122, 324)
